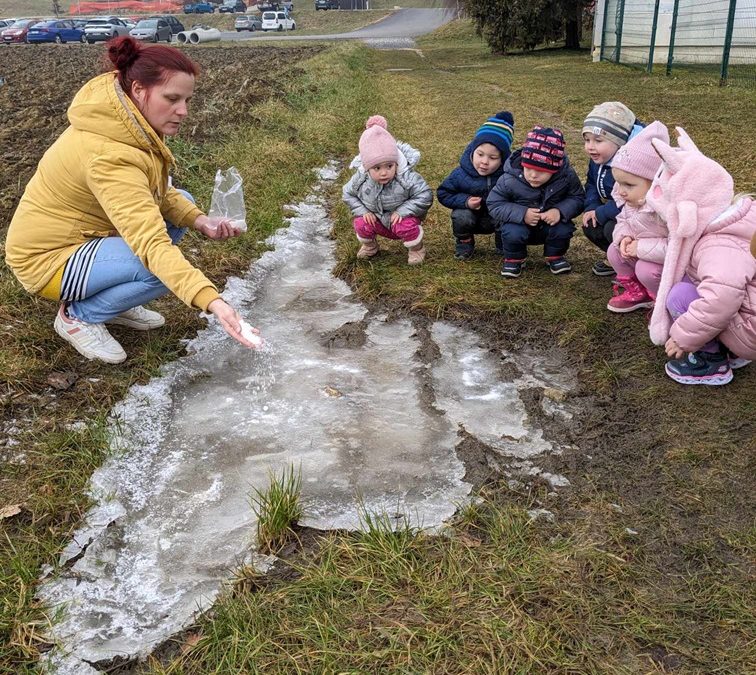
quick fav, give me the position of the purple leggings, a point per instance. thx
(680, 297)
(647, 273)
(407, 229)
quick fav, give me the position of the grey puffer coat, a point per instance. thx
(408, 194)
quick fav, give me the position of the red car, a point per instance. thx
(17, 32)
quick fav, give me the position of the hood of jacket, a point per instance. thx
(102, 107)
(408, 159)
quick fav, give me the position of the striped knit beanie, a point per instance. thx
(612, 119)
(497, 131)
(543, 150)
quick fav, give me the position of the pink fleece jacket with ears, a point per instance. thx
(692, 193)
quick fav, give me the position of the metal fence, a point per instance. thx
(711, 35)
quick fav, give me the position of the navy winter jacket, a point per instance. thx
(466, 182)
(599, 184)
(513, 195)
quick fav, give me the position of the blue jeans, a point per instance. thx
(119, 281)
(516, 237)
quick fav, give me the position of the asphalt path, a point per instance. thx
(401, 27)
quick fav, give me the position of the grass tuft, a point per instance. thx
(277, 509)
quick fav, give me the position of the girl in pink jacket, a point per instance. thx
(640, 237)
(705, 314)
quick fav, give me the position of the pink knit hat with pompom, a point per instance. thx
(638, 156)
(376, 144)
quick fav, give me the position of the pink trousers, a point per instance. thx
(408, 230)
(647, 273)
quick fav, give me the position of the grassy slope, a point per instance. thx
(500, 594)
(647, 568)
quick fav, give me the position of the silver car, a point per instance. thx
(247, 22)
(152, 30)
(106, 28)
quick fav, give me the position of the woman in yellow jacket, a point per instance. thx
(90, 230)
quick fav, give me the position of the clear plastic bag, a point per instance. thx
(228, 198)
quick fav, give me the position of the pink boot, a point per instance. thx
(634, 296)
(416, 256)
(368, 249)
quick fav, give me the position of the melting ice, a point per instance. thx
(173, 515)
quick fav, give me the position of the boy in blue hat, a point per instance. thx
(465, 189)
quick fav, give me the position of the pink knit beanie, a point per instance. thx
(376, 144)
(639, 156)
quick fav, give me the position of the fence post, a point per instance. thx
(650, 66)
(620, 23)
(603, 29)
(727, 43)
(672, 31)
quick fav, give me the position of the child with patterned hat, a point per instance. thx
(386, 195)
(606, 129)
(466, 188)
(535, 201)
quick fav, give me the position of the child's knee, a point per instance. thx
(363, 229)
(408, 229)
(680, 296)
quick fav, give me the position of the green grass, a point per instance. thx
(277, 509)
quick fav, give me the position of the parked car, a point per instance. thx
(173, 22)
(327, 4)
(129, 23)
(266, 6)
(99, 30)
(199, 8)
(277, 21)
(59, 30)
(152, 30)
(247, 22)
(6, 23)
(81, 21)
(232, 7)
(17, 31)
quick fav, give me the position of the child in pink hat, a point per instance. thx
(639, 241)
(386, 195)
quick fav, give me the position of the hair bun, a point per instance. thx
(376, 121)
(123, 51)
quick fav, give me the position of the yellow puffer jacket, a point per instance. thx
(105, 176)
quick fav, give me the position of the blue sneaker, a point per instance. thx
(464, 249)
(559, 265)
(512, 268)
(711, 368)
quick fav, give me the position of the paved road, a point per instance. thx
(401, 27)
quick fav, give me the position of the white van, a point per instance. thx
(277, 21)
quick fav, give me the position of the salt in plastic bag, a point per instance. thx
(228, 198)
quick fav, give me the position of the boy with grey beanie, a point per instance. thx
(606, 129)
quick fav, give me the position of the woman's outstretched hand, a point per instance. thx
(216, 227)
(231, 322)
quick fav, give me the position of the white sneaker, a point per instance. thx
(91, 340)
(138, 318)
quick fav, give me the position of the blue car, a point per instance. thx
(199, 8)
(55, 30)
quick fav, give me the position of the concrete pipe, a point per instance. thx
(197, 35)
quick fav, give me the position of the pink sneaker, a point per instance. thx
(368, 249)
(633, 296)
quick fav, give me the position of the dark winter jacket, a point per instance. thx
(599, 184)
(513, 195)
(465, 181)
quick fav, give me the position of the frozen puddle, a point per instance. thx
(342, 394)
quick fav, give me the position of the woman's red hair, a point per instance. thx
(147, 64)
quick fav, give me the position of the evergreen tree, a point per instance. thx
(525, 24)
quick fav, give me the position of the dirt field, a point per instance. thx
(33, 107)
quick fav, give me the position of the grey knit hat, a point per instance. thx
(611, 119)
